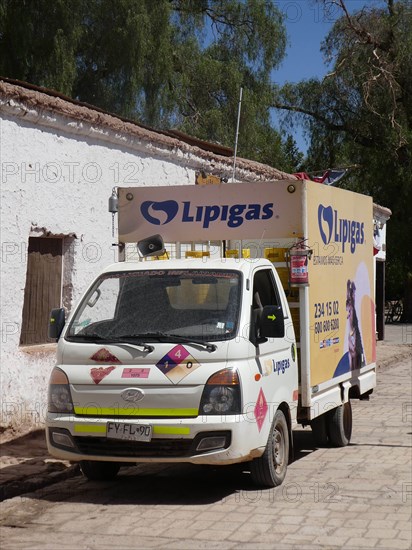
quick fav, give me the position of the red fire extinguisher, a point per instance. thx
(299, 257)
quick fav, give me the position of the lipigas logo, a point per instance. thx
(159, 213)
(164, 212)
(333, 228)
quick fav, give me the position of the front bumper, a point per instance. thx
(173, 440)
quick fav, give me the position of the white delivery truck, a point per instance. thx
(214, 360)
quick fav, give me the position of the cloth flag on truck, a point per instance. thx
(328, 177)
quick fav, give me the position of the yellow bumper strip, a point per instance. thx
(159, 430)
(171, 430)
(94, 411)
(90, 428)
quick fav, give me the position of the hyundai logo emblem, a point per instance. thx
(132, 394)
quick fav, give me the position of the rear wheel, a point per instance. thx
(339, 425)
(320, 431)
(269, 470)
(99, 471)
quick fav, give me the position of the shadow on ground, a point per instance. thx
(32, 469)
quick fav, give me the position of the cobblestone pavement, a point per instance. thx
(355, 497)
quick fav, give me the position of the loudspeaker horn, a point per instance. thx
(152, 246)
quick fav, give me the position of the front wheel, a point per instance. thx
(269, 470)
(99, 471)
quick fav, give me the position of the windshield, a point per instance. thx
(150, 305)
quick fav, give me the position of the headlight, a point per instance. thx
(222, 393)
(60, 399)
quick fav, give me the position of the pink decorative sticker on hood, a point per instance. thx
(104, 356)
(98, 373)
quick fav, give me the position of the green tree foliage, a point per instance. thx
(39, 40)
(292, 157)
(361, 114)
(165, 63)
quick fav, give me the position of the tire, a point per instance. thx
(99, 471)
(339, 425)
(320, 431)
(269, 470)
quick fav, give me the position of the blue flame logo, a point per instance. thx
(159, 213)
(325, 220)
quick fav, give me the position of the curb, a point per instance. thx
(401, 356)
(15, 488)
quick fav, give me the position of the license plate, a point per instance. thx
(130, 432)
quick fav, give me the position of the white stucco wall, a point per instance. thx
(61, 182)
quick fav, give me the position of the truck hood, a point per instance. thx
(168, 364)
(169, 380)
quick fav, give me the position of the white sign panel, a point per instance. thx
(258, 210)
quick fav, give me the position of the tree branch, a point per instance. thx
(344, 127)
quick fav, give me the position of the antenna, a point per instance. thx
(237, 133)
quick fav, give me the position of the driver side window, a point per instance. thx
(264, 290)
(264, 294)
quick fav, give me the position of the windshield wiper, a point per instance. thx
(174, 338)
(115, 340)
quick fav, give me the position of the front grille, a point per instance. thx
(100, 446)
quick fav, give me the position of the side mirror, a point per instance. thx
(272, 322)
(56, 323)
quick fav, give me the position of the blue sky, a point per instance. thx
(307, 23)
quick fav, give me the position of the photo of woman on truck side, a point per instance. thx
(355, 347)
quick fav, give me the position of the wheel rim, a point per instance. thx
(278, 449)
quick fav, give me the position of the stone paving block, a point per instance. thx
(406, 534)
(403, 526)
(243, 516)
(388, 524)
(182, 544)
(297, 539)
(215, 516)
(180, 514)
(201, 525)
(331, 541)
(357, 523)
(402, 515)
(336, 521)
(357, 543)
(315, 513)
(290, 520)
(393, 544)
(314, 530)
(351, 532)
(255, 528)
(383, 533)
(218, 535)
(281, 528)
(374, 515)
(176, 533)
